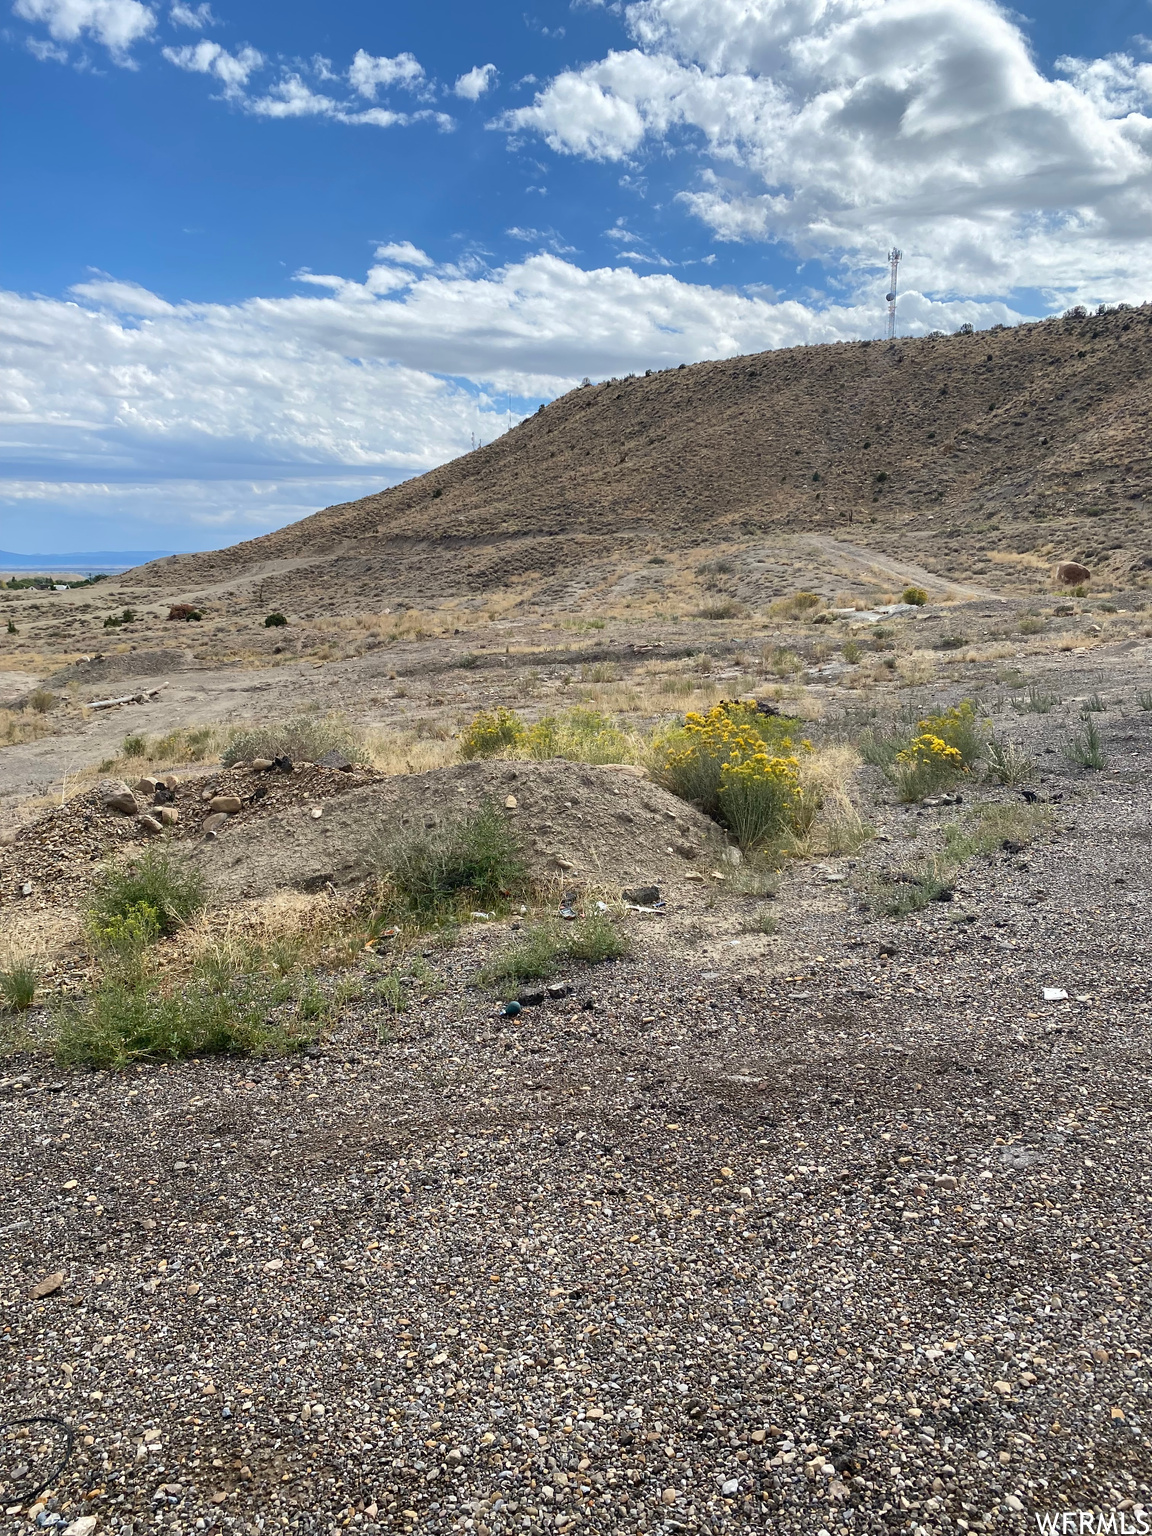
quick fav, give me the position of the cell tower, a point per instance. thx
(894, 259)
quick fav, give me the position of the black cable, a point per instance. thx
(65, 1459)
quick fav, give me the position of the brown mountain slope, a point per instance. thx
(983, 456)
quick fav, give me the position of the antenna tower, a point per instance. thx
(894, 258)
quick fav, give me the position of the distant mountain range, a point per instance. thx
(85, 563)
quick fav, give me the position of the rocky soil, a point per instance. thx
(842, 1227)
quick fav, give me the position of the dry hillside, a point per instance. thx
(981, 456)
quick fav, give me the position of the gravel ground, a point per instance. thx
(848, 1231)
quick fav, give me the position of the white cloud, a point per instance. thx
(117, 24)
(196, 16)
(476, 82)
(252, 413)
(368, 73)
(838, 126)
(290, 97)
(207, 58)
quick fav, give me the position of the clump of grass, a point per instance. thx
(1036, 702)
(728, 608)
(134, 746)
(1144, 699)
(42, 701)
(1095, 705)
(913, 892)
(852, 651)
(18, 985)
(543, 949)
(1086, 747)
(153, 895)
(762, 920)
(1032, 624)
(303, 738)
(129, 1018)
(477, 858)
(1008, 763)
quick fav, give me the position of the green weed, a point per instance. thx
(545, 948)
(303, 738)
(1086, 748)
(478, 858)
(158, 888)
(18, 986)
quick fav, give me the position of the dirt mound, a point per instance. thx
(604, 826)
(111, 669)
(952, 449)
(58, 853)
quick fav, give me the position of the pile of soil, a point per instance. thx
(605, 825)
(58, 853)
(597, 825)
(122, 664)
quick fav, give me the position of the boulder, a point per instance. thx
(149, 825)
(228, 804)
(145, 786)
(335, 759)
(1070, 574)
(259, 765)
(114, 795)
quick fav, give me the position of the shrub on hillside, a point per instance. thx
(478, 858)
(303, 738)
(916, 596)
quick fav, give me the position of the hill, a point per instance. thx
(984, 456)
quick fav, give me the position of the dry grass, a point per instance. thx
(20, 725)
(400, 752)
(826, 777)
(916, 667)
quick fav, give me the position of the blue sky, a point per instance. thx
(261, 259)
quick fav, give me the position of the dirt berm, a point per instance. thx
(601, 825)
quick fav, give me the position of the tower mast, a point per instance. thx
(894, 258)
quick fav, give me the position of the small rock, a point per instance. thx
(316, 812)
(170, 783)
(1055, 995)
(559, 989)
(531, 999)
(169, 815)
(27, 888)
(668, 1496)
(335, 759)
(732, 856)
(145, 786)
(227, 805)
(82, 1527)
(510, 803)
(114, 795)
(259, 765)
(149, 825)
(643, 895)
(213, 823)
(48, 1286)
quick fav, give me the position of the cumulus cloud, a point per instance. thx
(208, 58)
(838, 126)
(252, 413)
(198, 17)
(474, 84)
(368, 73)
(116, 24)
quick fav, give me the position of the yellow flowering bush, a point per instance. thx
(738, 766)
(926, 764)
(960, 729)
(491, 732)
(580, 735)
